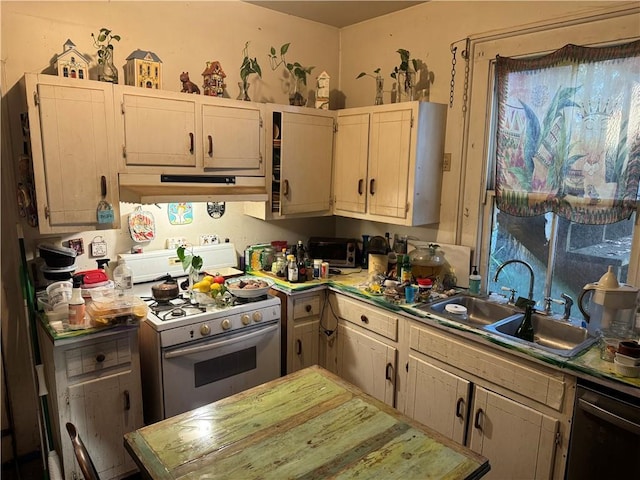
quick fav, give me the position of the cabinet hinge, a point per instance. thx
(261, 124)
(335, 127)
(260, 157)
(122, 108)
(46, 211)
(124, 151)
(406, 209)
(558, 438)
(36, 99)
(411, 123)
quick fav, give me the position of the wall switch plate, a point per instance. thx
(174, 242)
(446, 162)
(209, 240)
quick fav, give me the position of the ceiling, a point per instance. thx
(336, 13)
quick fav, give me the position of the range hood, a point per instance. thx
(170, 188)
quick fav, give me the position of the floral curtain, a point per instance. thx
(568, 136)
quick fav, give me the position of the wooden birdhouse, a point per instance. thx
(143, 69)
(71, 63)
(213, 79)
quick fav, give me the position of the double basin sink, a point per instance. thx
(551, 335)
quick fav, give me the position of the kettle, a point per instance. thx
(612, 306)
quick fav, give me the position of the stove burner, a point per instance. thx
(242, 301)
(158, 306)
(175, 312)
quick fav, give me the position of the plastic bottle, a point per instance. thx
(525, 330)
(406, 276)
(76, 305)
(292, 269)
(474, 281)
(123, 278)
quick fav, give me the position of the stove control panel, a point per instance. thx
(211, 324)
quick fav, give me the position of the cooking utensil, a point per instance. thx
(238, 286)
(167, 290)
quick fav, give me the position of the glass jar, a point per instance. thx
(281, 264)
(267, 257)
(427, 261)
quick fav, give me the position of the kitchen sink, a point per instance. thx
(480, 311)
(555, 336)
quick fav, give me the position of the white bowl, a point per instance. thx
(233, 286)
(625, 370)
(627, 360)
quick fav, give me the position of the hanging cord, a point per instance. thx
(453, 74)
(465, 93)
(465, 56)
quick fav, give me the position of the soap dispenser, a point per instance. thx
(474, 281)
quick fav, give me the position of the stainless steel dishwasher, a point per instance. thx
(605, 437)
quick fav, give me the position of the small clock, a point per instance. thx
(216, 209)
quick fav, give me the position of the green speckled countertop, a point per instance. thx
(310, 424)
(587, 364)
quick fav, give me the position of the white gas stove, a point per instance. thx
(192, 355)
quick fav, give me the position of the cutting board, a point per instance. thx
(459, 257)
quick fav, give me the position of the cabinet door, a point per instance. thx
(231, 138)
(159, 131)
(350, 170)
(103, 410)
(73, 155)
(438, 399)
(389, 149)
(367, 363)
(304, 345)
(518, 441)
(306, 159)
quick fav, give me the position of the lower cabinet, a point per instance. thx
(515, 413)
(94, 383)
(366, 348)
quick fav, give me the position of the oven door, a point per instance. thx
(202, 372)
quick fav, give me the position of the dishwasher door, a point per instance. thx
(605, 437)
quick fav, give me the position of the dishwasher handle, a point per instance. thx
(181, 352)
(608, 416)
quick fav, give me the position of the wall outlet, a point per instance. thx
(174, 242)
(209, 240)
(446, 162)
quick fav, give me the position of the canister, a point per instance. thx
(317, 268)
(324, 270)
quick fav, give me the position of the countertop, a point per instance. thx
(586, 365)
(309, 424)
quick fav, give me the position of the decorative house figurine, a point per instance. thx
(143, 69)
(213, 80)
(71, 63)
(322, 91)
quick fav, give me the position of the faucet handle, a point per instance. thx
(512, 298)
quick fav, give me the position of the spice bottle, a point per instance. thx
(292, 269)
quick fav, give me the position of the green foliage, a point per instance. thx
(295, 69)
(249, 65)
(404, 63)
(103, 43)
(189, 261)
(362, 74)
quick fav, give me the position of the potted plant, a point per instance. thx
(296, 72)
(379, 84)
(404, 75)
(107, 71)
(192, 263)
(249, 66)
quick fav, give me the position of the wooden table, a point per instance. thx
(310, 424)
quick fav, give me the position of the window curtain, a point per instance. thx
(568, 134)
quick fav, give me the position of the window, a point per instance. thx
(564, 255)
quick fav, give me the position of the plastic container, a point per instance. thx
(103, 294)
(625, 370)
(117, 311)
(57, 273)
(123, 278)
(57, 257)
(626, 360)
(59, 292)
(317, 268)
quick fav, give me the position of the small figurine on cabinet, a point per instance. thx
(143, 69)
(187, 85)
(71, 63)
(322, 91)
(214, 79)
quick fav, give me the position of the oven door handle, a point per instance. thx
(609, 417)
(181, 352)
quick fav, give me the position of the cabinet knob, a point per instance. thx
(388, 374)
(210, 138)
(459, 404)
(372, 184)
(298, 347)
(127, 400)
(364, 319)
(308, 308)
(360, 185)
(285, 188)
(191, 143)
(100, 357)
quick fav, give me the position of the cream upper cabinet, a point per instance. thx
(299, 163)
(70, 130)
(179, 133)
(388, 163)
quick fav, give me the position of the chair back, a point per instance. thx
(82, 455)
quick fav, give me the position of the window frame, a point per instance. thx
(606, 26)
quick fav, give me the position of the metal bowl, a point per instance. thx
(238, 286)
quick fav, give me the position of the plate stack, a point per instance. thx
(59, 262)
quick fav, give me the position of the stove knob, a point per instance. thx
(226, 324)
(257, 316)
(205, 329)
(246, 320)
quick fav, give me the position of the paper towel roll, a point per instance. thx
(377, 264)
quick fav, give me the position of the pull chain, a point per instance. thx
(465, 93)
(453, 75)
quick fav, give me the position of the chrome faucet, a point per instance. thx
(568, 303)
(531, 281)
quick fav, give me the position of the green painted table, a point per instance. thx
(310, 424)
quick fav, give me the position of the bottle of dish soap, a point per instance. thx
(474, 281)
